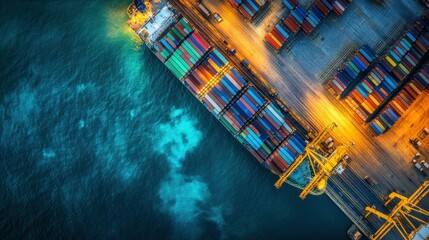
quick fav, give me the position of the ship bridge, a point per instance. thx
(152, 29)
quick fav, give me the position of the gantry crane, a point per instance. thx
(403, 214)
(321, 166)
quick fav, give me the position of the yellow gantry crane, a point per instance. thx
(321, 166)
(403, 214)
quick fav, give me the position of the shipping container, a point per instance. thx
(351, 71)
(265, 132)
(290, 4)
(244, 108)
(383, 81)
(277, 36)
(249, 8)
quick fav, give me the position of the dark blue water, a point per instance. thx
(99, 141)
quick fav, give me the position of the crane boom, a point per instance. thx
(323, 134)
(403, 214)
(420, 193)
(284, 176)
(312, 185)
(327, 166)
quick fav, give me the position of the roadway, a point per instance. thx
(380, 158)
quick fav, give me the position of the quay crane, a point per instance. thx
(403, 214)
(321, 166)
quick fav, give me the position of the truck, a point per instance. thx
(369, 181)
(424, 163)
(418, 166)
(416, 142)
(423, 133)
(245, 63)
(217, 17)
(204, 11)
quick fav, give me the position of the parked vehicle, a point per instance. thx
(415, 142)
(203, 9)
(217, 17)
(418, 166)
(369, 181)
(424, 163)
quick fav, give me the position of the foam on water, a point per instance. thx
(177, 137)
(183, 197)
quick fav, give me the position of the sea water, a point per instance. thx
(98, 140)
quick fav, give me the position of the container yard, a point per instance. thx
(298, 18)
(350, 73)
(210, 64)
(376, 96)
(249, 8)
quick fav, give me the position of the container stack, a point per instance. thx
(165, 46)
(248, 8)
(224, 91)
(351, 71)
(290, 4)
(406, 55)
(340, 6)
(387, 76)
(292, 24)
(214, 82)
(277, 36)
(286, 153)
(401, 102)
(286, 28)
(242, 110)
(204, 74)
(315, 15)
(423, 76)
(299, 18)
(187, 55)
(265, 132)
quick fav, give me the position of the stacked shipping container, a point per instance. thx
(277, 36)
(286, 153)
(265, 132)
(165, 46)
(351, 71)
(315, 15)
(242, 110)
(298, 19)
(340, 6)
(202, 75)
(385, 78)
(389, 88)
(223, 92)
(249, 8)
(401, 102)
(187, 54)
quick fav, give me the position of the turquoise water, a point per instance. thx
(99, 141)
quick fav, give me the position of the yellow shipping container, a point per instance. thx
(390, 61)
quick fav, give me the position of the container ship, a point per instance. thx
(262, 125)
